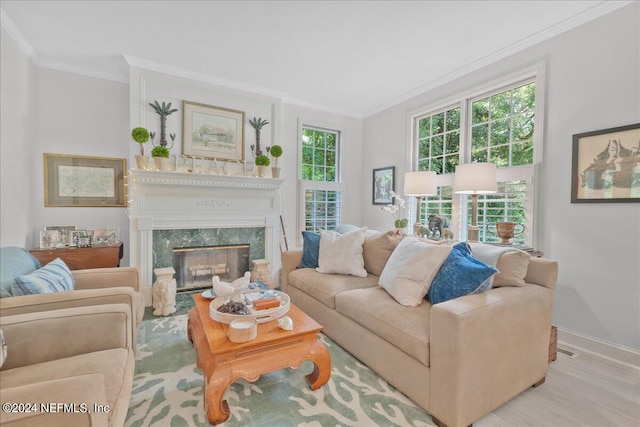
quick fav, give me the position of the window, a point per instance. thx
(439, 141)
(498, 124)
(321, 190)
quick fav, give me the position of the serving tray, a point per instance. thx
(260, 316)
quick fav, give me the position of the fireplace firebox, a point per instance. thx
(196, 266)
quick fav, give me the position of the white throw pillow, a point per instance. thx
(342, 253)
(411, 268)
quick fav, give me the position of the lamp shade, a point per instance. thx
(475, 178)
(420, 183)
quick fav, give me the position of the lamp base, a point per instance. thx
(472, 234)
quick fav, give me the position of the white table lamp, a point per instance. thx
(474, 179)
(420, 184)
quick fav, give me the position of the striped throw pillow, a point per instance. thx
(53, 277)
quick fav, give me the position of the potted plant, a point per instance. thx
(160, 156)
(275, 151)
(141, 135)
(262, 161)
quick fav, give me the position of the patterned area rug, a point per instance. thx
(167, 389)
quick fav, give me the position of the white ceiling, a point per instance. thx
(352, 57)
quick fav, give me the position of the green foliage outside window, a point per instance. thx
(319, 159)
(502, 127)
(439, 141)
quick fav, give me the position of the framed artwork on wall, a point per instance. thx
(606, 165)
(83, 181)
(384, 182)
(212, 132)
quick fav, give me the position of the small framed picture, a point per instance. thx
(383, 185)
(83, 240)
(101, 236)
(75, 234)
(114, 236)
(64, 233)
(49, 239)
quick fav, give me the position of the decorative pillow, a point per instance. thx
(377, 249)
(310, 250)
(512, 263)
(512, 268)
(461, 274)
(342, 253)
(345, 228)
(3, 349)
(410, 270)
(53, 277)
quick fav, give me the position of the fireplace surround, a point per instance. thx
(185, 201)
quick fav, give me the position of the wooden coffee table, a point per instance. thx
(224, 362)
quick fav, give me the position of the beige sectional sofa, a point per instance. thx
(459, 359)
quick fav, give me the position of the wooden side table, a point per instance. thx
(82, 258)
(553, 344)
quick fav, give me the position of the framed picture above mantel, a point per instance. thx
(84, 181)
(606, 165)
(212, 132)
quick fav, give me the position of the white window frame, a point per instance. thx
(304, 185)
(530, 173)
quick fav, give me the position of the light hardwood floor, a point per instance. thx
(585, 391)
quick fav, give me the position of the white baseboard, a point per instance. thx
(615, 352)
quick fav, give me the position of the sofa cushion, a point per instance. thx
(512, 263)
(461, 274)
(15, 262)
(325, 287)
(53, 277)
(310, 250)
(405, 327)
(115, 366)
(377, 249)
(411, 269)
(342, 253)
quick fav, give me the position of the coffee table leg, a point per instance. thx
(321, 366)
(216, 385)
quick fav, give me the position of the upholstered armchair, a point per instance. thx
(120, 285)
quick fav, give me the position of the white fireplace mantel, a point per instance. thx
(176, 200)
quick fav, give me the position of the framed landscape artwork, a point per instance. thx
(606, 165)
(383, 185)
(212, 132)
(82, 181)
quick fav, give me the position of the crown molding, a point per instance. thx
(597, 11)
(89, 72)
(317, 107)
(201, 77)
(17, 36)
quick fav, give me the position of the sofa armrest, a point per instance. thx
(487, 348)
(50, 335)
(98, 278)
(542, 272)
(290, 261)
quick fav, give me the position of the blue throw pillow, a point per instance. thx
(310, 250)
(461, 274)
(53, 277)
